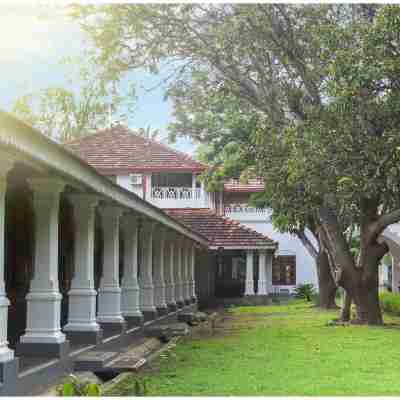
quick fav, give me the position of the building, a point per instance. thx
(84, 263)
(169, 180)
(88, 262)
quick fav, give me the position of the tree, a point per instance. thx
(227, 130)
(325, 82)
(148, 132)
(92, 101)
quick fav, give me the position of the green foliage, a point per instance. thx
(74, 387)
(93, 97)
(139, 387)
(390, 302)
(148, 132)
(304, 291)
(304, 96)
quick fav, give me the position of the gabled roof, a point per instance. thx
(20, 141)
(251, 186)
(119, 150)
(221, 231)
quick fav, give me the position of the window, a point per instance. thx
(284, 270)
(171, 179)
(136, 179)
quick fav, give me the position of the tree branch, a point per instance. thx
(307, 244)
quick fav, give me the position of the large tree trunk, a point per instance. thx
(345, 313)
(360, 280)
(326, 283)
(366, 298)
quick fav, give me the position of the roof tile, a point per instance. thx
(220, 231)
(120, 150)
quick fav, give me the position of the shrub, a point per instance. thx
(304, 291)
(74, 387)
(390, 302)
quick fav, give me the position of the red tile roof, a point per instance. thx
(253, 185)
(120, 150)
(220, 231)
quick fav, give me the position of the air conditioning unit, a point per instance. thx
(136, 179)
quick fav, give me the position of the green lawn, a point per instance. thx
(281, 350)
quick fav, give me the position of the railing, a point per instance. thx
(178, 197)
(245, 209)
(176, 193)
(247, 213)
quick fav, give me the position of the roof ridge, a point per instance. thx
(90, 135)
(146, 140)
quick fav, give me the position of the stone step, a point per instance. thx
(165, 331)
(93, 360)
(192, 318)
(129, 362)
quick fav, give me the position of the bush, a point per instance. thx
(74, 387)
(390, 302)
(305, 291)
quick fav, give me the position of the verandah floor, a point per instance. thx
(279, 350)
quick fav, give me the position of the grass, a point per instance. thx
(280, 350)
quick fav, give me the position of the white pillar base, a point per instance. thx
(179, 296)
(130, 297)
(249, 291)
(43, 325)
(6, 354)
(82, 311)
(170, 294)
(109, 308)
(146, 298)
(262, 288)
(159, 295)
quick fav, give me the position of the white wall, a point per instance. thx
(290, 245)
(125, 182)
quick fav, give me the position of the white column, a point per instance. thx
(178, 274)
(148, 187)
(158, 264)
(82, 325)
(262, 273)
(169, 263)
(130, 305)
(184, 271)
(395, 273)
(44, 298)
(109, 297)
(146, 273)
(6, 354)
(192, 276)
(268, 267)
(193, 184)
(249, 290)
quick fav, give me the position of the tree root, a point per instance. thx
(338, 322)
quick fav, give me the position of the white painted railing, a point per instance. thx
(178, 197)
(247, 213)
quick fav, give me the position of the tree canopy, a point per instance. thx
(308, 95)
(94, 97)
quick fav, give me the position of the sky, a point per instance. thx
(34, 37)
